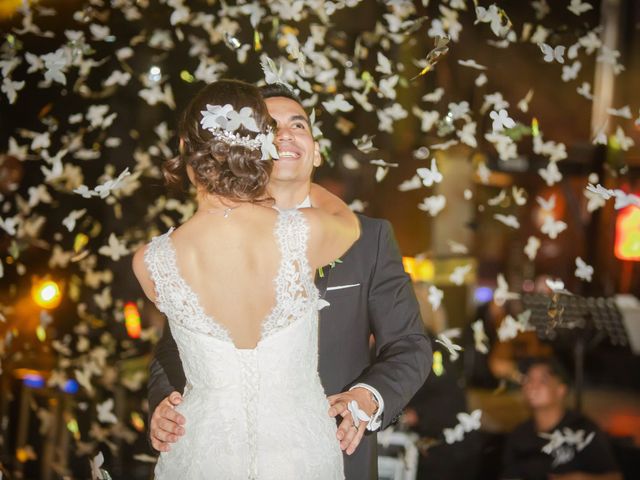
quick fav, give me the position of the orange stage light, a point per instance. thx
(132, 320)
(419, 269)
(46, 293)
(627, 242)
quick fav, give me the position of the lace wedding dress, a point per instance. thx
(250, 413)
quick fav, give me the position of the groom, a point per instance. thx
(371, 302)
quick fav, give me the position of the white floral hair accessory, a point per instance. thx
(223, 121)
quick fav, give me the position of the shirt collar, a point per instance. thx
(306, 203)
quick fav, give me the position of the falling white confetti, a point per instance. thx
(430, 175)
(480, 338)
(115, 250)
(502, 294)
(433, 205)
(459, 273)
(435, 297)
(444, 338)
(531, 249)
(508, 220)
(583, 270)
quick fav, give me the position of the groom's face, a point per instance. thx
(298, 152)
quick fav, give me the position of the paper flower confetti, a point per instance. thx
(578, 7)
(480, 339)
(433, 205)
(501, 120)
(459, 273)
(511, 327)
(105, 412)
(445, 339)
(508, 220)
(115, 249)
(435, 297)
(531, 249)
(583, 270)
(502, 294)
(430, 175)
(468, 422)
(552, 53)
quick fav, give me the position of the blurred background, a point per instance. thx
(500, 139)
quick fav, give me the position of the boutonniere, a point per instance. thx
(332, 265)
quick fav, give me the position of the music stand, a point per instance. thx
(583, 322)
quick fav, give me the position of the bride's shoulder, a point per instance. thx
(141, 254)
(141, 268)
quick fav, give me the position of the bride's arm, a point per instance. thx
(142, 274)
(334, 227)
(165, 424)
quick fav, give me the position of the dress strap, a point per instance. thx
(292, 233)
(295, 292)
(159, 263)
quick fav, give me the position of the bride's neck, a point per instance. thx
(208, 201)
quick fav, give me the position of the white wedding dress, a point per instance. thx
(250, 413)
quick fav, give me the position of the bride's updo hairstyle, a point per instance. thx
(229, 169)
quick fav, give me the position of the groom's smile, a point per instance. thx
(288, 152)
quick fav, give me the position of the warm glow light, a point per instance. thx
(187, 77)
(535, 128)
(137, 421)
(627, 243)
(438, 367)
(46, 294)
(41, 333)
(420, 270)
(132, 320)
(79, 242)
(9, 7)
(72, 426)
(409, 264)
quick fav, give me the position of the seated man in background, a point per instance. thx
(436, 405)
(556, 443)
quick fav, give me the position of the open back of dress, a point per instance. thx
(256, 413)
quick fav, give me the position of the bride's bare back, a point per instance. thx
(231, 264)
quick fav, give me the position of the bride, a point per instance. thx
(236, 284)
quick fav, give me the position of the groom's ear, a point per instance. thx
(317, 156)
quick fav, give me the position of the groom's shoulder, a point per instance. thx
(373, 225)
(372, 230)
(376, 237)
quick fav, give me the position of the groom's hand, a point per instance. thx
(347, 434)
(166, 423)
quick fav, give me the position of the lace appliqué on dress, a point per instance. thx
(295, 291)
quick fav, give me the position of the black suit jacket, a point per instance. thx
(377, 299)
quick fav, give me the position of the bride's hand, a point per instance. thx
(350, 436)
(166, 424)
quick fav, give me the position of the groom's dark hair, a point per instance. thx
(279, 90)
(282, 90)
